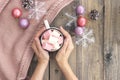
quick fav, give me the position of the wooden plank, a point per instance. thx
(112, 40)
(62, 19)
(90, 59)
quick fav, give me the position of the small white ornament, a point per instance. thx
(37, 11)
(86, 38)
(73, 19)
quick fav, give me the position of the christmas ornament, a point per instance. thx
(94, 14)
(73, 19)
(84, 35)
(23, 22)
(79, 30)
(80, 10)
(27, 4)
(81, 21)
(86, 38)
(16, 13)
(37, 11)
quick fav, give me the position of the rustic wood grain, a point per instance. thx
(90, 59)
(112, 40)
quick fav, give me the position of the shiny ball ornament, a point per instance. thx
(79, 30)
(81, 21)
(80, 10)
(24, 23)
(16, 13)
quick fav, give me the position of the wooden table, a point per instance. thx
(100, 60)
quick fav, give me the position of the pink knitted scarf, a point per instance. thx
(15, 43)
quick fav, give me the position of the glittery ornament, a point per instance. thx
(81, 21)
(16, 13)
(37, 11)
(80, 10)
(94, 14)
(27, 4)
(23, 22)
(79, 30)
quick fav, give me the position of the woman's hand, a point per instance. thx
(61, 57)
(42, 55)
(64, 53)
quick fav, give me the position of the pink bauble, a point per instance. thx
(81, 21)
(16, 13)
(80, 10)
(24, 22)
(79, 30)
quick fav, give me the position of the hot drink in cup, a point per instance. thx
(52, 39)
